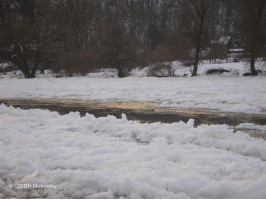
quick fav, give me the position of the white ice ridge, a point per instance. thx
(88, 157)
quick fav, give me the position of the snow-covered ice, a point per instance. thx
(228, 94)
(251, 126)
(88, 157)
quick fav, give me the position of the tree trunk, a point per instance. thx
(196, 63)
(252, 65)
(121, 73)
(25, 71)
(253, 71)
(198, 38)
(32, 74)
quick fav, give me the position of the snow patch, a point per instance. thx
(88, 157)
(228, 94)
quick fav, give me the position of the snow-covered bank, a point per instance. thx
(177, 67)
(229, 94)
(234, 68)
(88, 157)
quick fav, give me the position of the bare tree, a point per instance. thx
(33, 32)
(117, 48)
(197, 20)
(217, 51)
(253, 29)
(78, 19)
(29, 41)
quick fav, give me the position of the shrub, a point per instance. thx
(188, 63)
(158, 55)
(217, 51)
(161, 70)
(79, 63)
(8, 68)
(217, 71)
